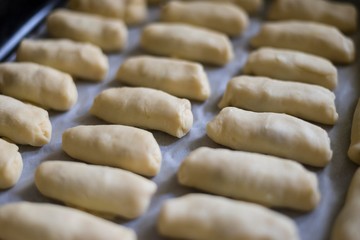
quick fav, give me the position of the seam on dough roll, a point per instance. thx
(83, 60)
(177, 77)
(261, 94)
(95, 188)
(35, 221)
(291, 65)
(187, 42)
(24, 123)
(222, 17)
(119, 146)
(201, 216)
(38, 84)
(338, 14)
(271, 133)
(108, 34)
(145, 108)
(11, 164)
(267, 180)
(314, 38)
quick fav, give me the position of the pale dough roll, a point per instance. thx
(267, 180)
(131, 11)
(24, 123)
(250, 6)
(125, 147)
(223, 17)
(314, 38)
(338, 14)
(95, 188)
(187, 42)
(261, 94)
(108, 34)
(144, 108)
(201, 216)
(271, 133)
(346, 226)
(38, 84)
(292, 66)
(11, 164)
(82, 60)
(354, 149)
(35, 221)
(177, 77)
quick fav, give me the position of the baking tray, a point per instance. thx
(333, 180)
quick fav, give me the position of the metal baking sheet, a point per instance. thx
(333, 180)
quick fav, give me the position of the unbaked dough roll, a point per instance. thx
(271, 133)
(99, 189)
(125, 147)
(223, 17)
(24, 123)
(108, 34)
(35, 221)
(314, 38)
(250, 6)
(271, 181)
(346, 226)
(38, 84)
(201, 216)
(187, 42)
(261, 94)
(11, 164)
(82, 60)
(354, 149)
(144, 108)
(131, 11)
(292, 66)
(177, 77)
(338, 14)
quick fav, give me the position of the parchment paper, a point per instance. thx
(333, 180)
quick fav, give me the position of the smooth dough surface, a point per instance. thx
(338, 14)
(145, 108)
(35, 221)
(222, 17)
(346, 226)
(82, 60)
(38, 84)
(206, 217)
(177, 77)
(108, 34)
(354, 149)
(131, 11)
(292, 66)
(261, 94)
(263, 179)
(314, 38)
(187, 42)
(11, 164)
(24, 123)
(271, 133)
(250, 6)
(95, 188)
(119, 146)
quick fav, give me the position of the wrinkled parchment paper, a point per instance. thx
(334, 179)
